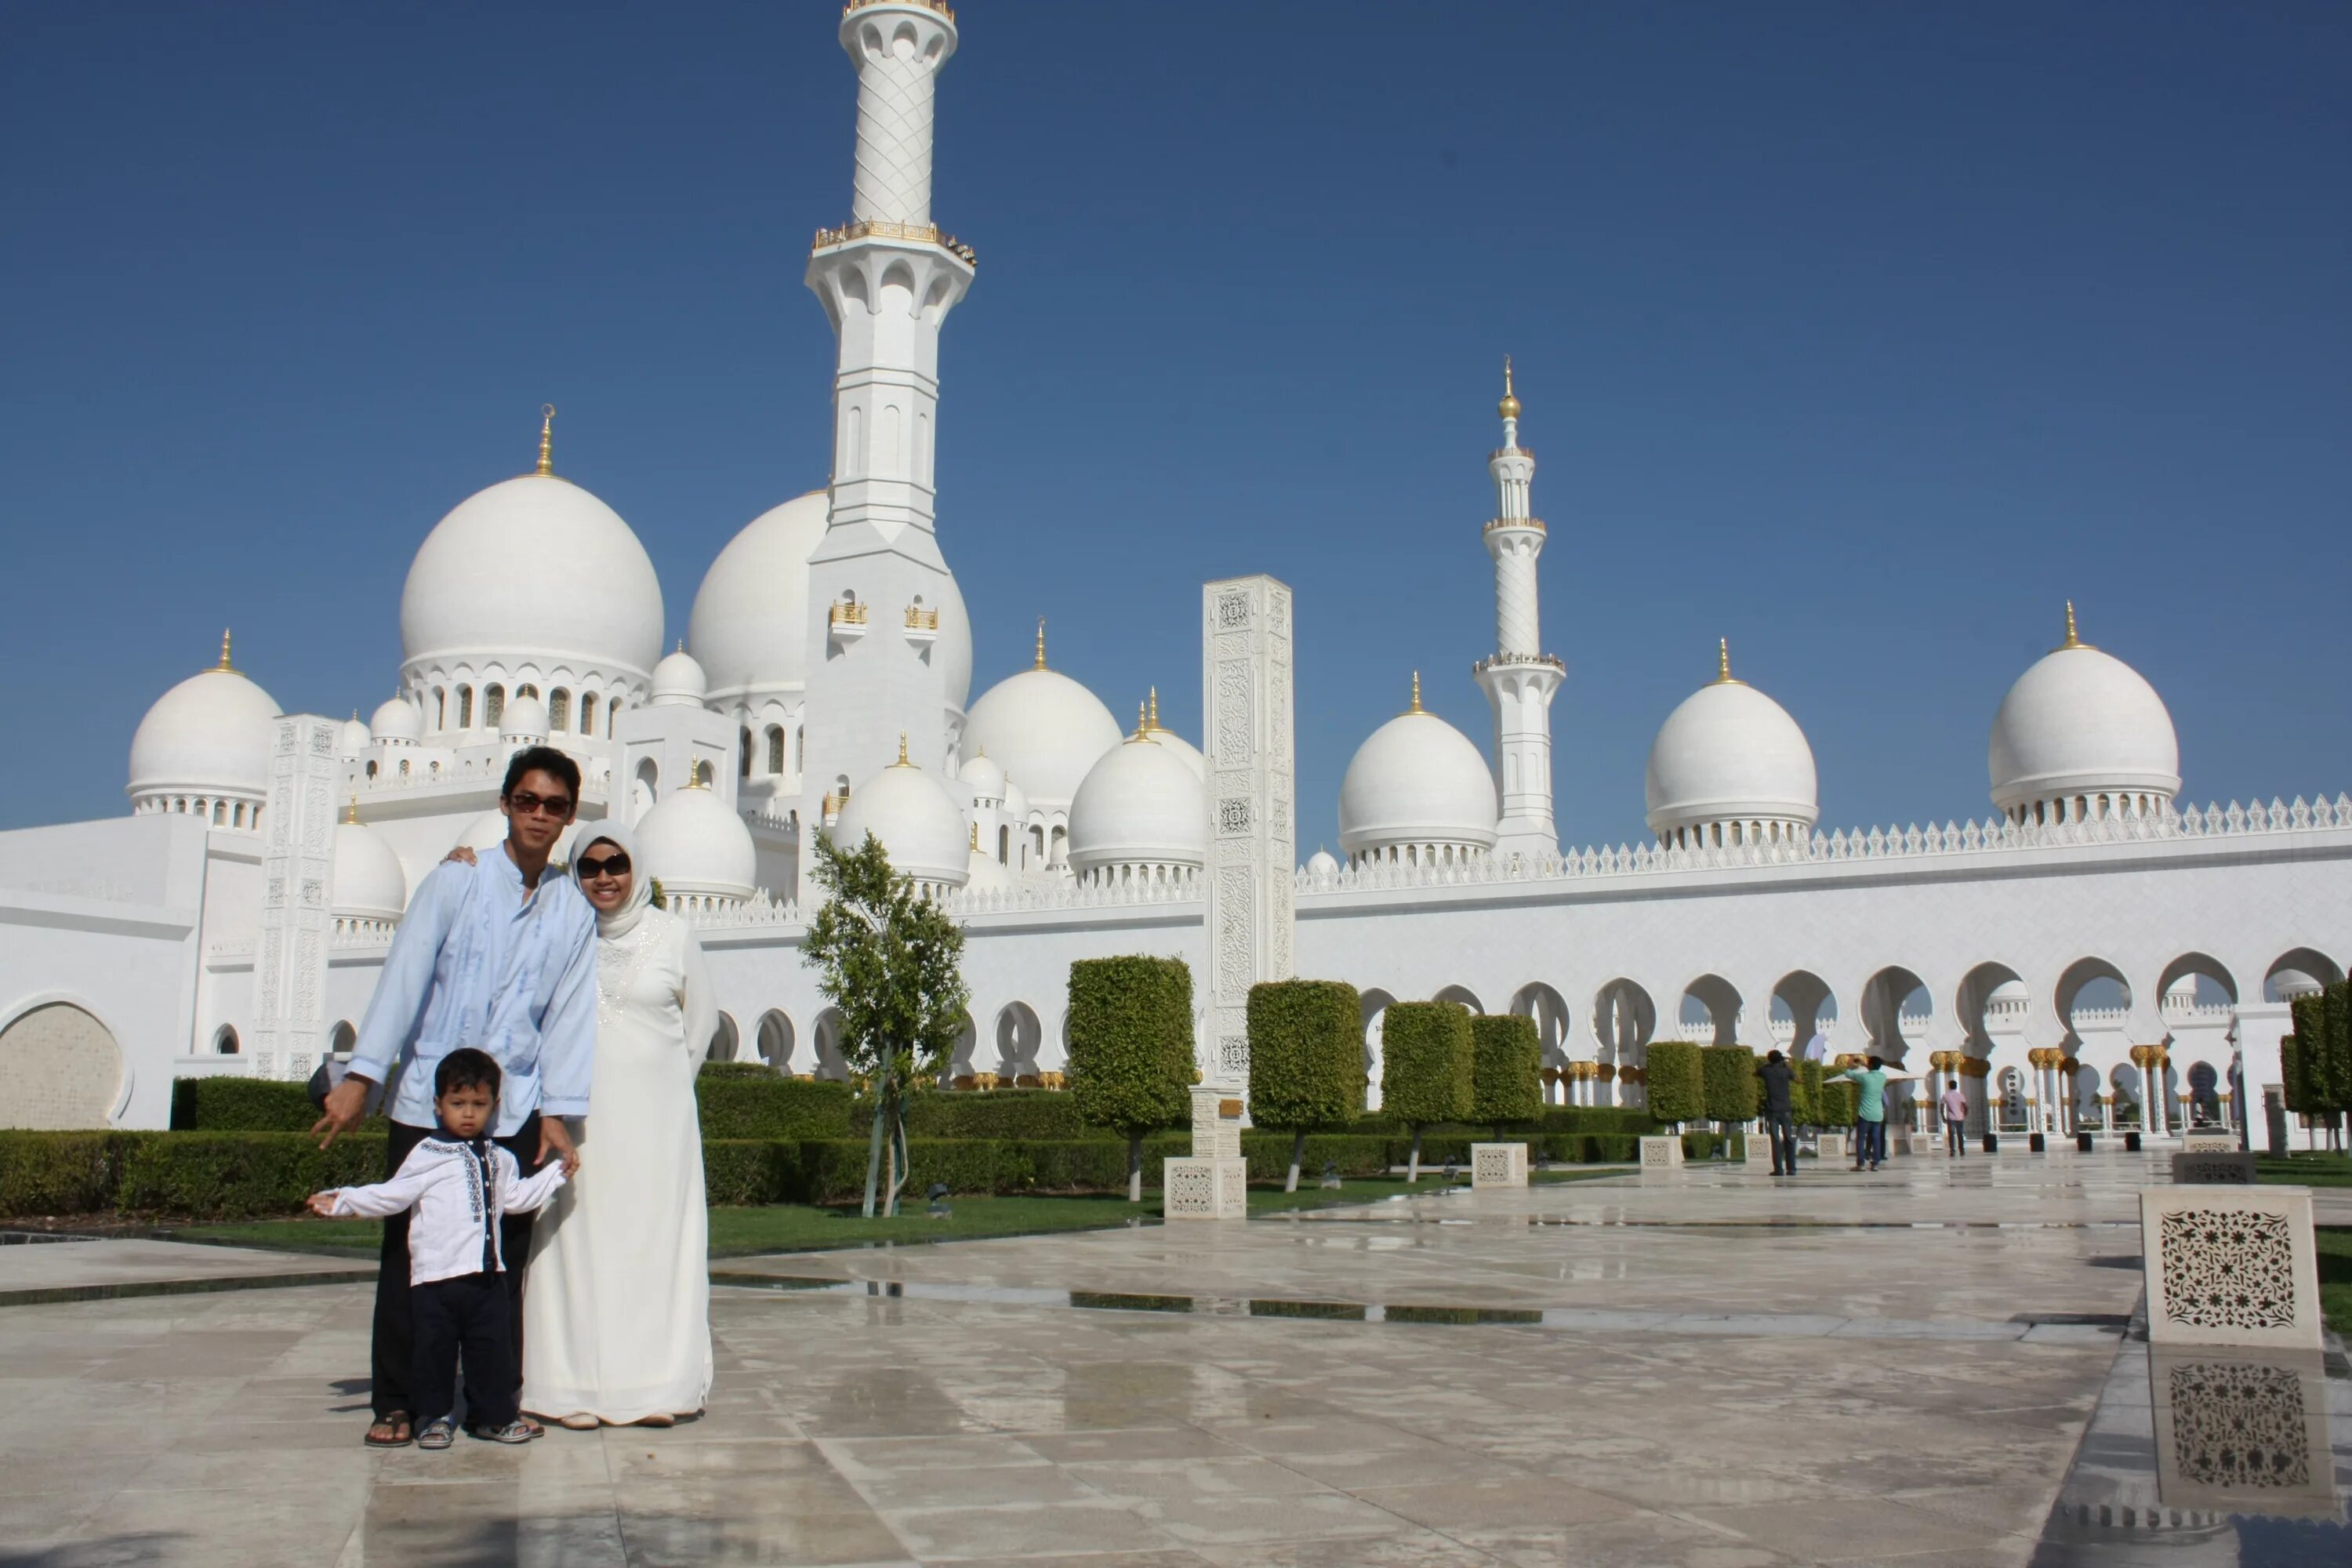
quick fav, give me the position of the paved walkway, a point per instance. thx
(1904, 1384)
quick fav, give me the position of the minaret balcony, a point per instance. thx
(1520, 661)
(876, 228)
(1534, 524)
(847, 623)
(922, 626)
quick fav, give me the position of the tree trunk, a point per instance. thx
(1135, 1167)
(873, 1144)
(1297, 1153)
(1413, 1166)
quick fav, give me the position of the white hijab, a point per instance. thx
(623, 920)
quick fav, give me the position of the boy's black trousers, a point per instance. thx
(391, 1356)
(470, 1313)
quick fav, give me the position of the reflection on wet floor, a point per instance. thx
(2202, 1454)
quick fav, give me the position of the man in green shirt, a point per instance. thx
(1869, 1145)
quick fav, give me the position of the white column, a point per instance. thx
(1521, 679)
(298, 866)
(1246, 735)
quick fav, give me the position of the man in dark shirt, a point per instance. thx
(1779, 1116)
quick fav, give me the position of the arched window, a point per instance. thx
(371, 770)
(404, 767)
(225, 1041)
(440, 707)
(1003, 846)
(525, 691)
(494, 705)
(775, 748)
(465, 708)
(612, 714)
(558, 709)
(742, 753)
(800, 746)
(587, 713)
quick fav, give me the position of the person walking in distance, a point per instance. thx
(1779, 1114)
(1955, 1106)
(500, 957)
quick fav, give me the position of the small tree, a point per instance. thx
(1728, 1076)
(1425, 1067)
(1306, 1059)
(1805, 1094)
(1132, 1048)
(1677, 1086)
(2333, 1080)
(888, 961)
(1506, 1070)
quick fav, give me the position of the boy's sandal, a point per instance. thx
(394, 1425)
(512, 1432)
(438, 1433)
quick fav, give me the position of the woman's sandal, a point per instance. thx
(396, 1428)
(578, 1421)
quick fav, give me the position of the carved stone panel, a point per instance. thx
(2229, 1266)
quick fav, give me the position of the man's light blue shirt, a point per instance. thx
(480, 960)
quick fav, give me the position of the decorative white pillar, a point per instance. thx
(888, 280)
(1246, 735)
(1521, 679)
(298, 868)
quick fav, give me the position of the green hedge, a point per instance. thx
(240, 1105)
(1728, 1079)
(748, 1099)
(1425, 1062)
(1307, 1055)
(1023, 1113)
(1805, 1094)
(2298, 1050)
(1131, 1042)
(1839, 1103)
(1676, 1083)
(212, 1176)
(1506, 1070)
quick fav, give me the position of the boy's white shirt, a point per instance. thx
(442, 1181)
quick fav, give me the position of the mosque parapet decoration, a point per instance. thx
(1534, 523)
(1516, 660)
(880, 228)
(1991, 837)
(937, 8)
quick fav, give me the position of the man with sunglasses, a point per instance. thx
(495, 954)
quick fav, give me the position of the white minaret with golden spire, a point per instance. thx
(1521, 679)
(887, 279)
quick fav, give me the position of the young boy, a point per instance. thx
(460, 1185)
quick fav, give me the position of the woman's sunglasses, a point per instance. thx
(613, 865)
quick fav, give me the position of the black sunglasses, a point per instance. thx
(616, 864)
(522, 803)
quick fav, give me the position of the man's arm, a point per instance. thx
(567, 1030)
(401, 991)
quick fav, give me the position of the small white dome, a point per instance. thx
(1729, 753)
(679, 680)
(2080, 723)
(210, 735)
(1045, 730)
(1322, 863)
(1417, 780)
(368, 883)
(985, 779)
(523, 719)
(2007, 991)
(478, 589)
(1184, 749)
(918, 823)
(750, 624)
(352, 742)
(1140, 805)
(697, 846)
(397, 719)
(2287, 985)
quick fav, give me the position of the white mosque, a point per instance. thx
(2096, 934)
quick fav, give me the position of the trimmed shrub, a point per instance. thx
(1506, 1070)
(1425, 1067)
(1839, 1103)
(1676, 1083)
(1805, 1093)
(2297, 1051)
(1130, 1064)
(1728, 1079)
(241, 1105)
(747, 1100)
(240, 1175)
(2329, 1069)
(1030, 1114)
(1306, 1059)
(60, 1172)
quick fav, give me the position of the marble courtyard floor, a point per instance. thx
(1707, 1368)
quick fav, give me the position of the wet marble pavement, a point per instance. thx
(997, 1408)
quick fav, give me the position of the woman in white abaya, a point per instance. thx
(618, 1313)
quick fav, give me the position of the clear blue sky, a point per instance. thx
(1862, 334)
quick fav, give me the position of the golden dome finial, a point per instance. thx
(1509, 408)
(902, 761)
(1723, 662)
(1416, 707)
(546, 439)
(2072, 639)
(1041, 643)
(1154, 726)
(975, 835)
(1143, 722)
(351, 812)
(223, 663)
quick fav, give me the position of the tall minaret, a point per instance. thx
(889, 279)
(1521, 679)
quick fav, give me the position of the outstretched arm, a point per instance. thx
(528, 1194)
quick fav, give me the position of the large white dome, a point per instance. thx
(2077, 725)
(696, 845)
(1417, 786)
(1140, 805)
(532, 568)
(367, 881)
(918, 823)
(750, 623)
(1045, 730)
(209, 735)
(1728, 753)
